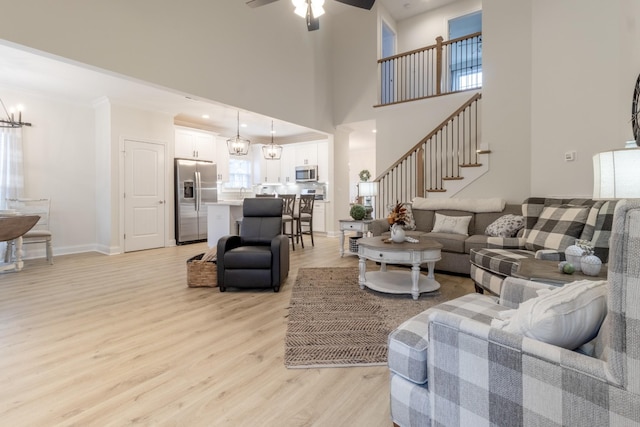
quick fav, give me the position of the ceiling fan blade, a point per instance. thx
(258, 3)
(312, 23)
(364, 4)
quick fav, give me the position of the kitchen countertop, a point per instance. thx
(226, 203)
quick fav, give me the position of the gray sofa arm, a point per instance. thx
(498, 363)
(505, 242)
(378, 226)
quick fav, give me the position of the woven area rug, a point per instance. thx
(334, 323)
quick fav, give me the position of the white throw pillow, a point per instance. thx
(567, 317)
(451, 224)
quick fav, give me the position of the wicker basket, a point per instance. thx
(353, 244)
(201, 274)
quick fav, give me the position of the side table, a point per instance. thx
(359, 226)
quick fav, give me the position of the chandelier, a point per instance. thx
(10, 121)
(272, 151)
(238, 146)
(305, 8)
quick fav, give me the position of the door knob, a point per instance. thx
(161, 202)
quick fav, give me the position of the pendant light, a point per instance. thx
(238, 146)
(272, 151)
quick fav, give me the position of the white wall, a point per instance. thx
(59, 164)
(579, 100)
(134, 124)
(220, 50)
(422, 30)
(506, 101)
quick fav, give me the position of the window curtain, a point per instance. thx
(11, 169)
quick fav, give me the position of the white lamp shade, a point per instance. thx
(368, 189)
(616, 174)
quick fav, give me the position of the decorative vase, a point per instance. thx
(573, 254)
(591, 265)
(397, 233)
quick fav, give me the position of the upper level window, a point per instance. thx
(465, 57)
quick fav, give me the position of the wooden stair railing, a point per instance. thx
(432, 70)
(437, 158)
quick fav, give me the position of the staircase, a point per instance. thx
(445, 161)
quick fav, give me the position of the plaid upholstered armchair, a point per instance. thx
(450, 367)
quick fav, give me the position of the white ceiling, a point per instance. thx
(39, 73)
(403, 9)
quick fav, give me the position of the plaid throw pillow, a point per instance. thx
(557, 227)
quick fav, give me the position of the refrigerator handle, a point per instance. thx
(198, 191)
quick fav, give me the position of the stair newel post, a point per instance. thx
(439, 40)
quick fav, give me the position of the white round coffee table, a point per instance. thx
(399, 281)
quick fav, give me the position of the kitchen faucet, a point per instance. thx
(242, 190)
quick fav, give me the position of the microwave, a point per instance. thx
(306, 173)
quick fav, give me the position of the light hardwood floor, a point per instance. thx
(97, 340)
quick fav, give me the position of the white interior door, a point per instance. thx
(144, 198)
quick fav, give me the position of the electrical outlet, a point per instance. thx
(570, 156)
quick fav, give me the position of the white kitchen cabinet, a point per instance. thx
(195, 144)
(306, 154)
(264, 171)
(222, 160)
(269, 170)
(288, 164)
(319, 214)
(323, 161)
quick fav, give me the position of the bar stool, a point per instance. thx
(288, 204)
(304, 217)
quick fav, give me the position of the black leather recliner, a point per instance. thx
(259, 256)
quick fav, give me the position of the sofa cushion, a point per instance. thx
(533, 206)
(450, 242)
(499, 261)
(452, 224)
(505, 226)
(557, 227)
(602, 232)
(567, 316)
(483, 219)
(407, 355)
(423, 219)
(476, 241)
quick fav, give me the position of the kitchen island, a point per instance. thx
(222, 219)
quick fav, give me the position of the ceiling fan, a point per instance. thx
(312, 9)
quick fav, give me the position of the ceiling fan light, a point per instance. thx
(301, 7)
(301, 11)
(317, 9)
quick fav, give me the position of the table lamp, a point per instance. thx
(368, 190)
(616, 175)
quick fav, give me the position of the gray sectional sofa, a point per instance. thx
(544, 237)
(450, 367)
(456, 247)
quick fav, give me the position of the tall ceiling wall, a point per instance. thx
(262, 60)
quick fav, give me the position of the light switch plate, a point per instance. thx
(570, 156)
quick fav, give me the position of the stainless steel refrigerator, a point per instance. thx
(196, 185)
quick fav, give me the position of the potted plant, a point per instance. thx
(357, 212)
